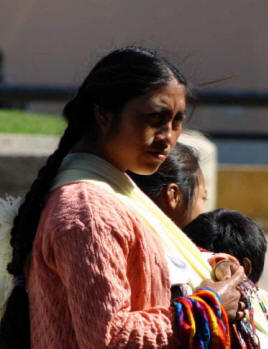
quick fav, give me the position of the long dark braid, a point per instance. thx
(29, 212)
(118, 77)
(16, 317)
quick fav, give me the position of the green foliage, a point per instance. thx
(17, 121)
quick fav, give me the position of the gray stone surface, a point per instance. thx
(27, 145)
(21, 156)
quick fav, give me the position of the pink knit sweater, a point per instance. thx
(98, 277)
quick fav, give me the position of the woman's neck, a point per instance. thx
(93, 147)
(85, 146)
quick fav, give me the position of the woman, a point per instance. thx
(178, 187)
(97, 274)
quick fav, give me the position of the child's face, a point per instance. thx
(171, 202)
(198, 205)
(200, 198)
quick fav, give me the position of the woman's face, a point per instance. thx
(147, 130)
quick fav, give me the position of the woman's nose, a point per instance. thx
(165, 133)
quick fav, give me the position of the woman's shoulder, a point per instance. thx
(84, 203)
(79, 194)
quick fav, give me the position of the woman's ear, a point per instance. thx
(246, 262)
(173, 196)
(103, 119)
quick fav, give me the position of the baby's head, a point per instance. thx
(232, 232)
(178, 186)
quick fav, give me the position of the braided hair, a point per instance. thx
(118, 77)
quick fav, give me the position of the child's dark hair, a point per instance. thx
(118, 77)
(232, 232)
(181, 167)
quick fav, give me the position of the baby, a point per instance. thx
(234, 233)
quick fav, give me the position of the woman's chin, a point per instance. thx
(147, 170)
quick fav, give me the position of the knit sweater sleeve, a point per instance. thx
(91, 257)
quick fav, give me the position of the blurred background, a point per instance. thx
(47, 48)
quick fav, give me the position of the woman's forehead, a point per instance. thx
(164, 98)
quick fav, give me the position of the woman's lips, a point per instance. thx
(161, 155)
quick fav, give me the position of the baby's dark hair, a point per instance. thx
(117, 78)
(232, 232)
(181, 167)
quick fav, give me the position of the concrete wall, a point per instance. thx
(21, 156)
(244, 188)
(56, 42)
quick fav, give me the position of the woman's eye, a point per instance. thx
(179, 117)
(177, 122)
(155, 118)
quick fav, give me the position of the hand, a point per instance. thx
(224, 269)
(241, 310)
(229, 294)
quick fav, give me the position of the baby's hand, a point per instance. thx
(227, 290)
(224, 269)
(224, 265)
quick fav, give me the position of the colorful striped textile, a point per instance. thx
(201, 321)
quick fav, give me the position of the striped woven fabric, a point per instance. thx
(202, 321)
